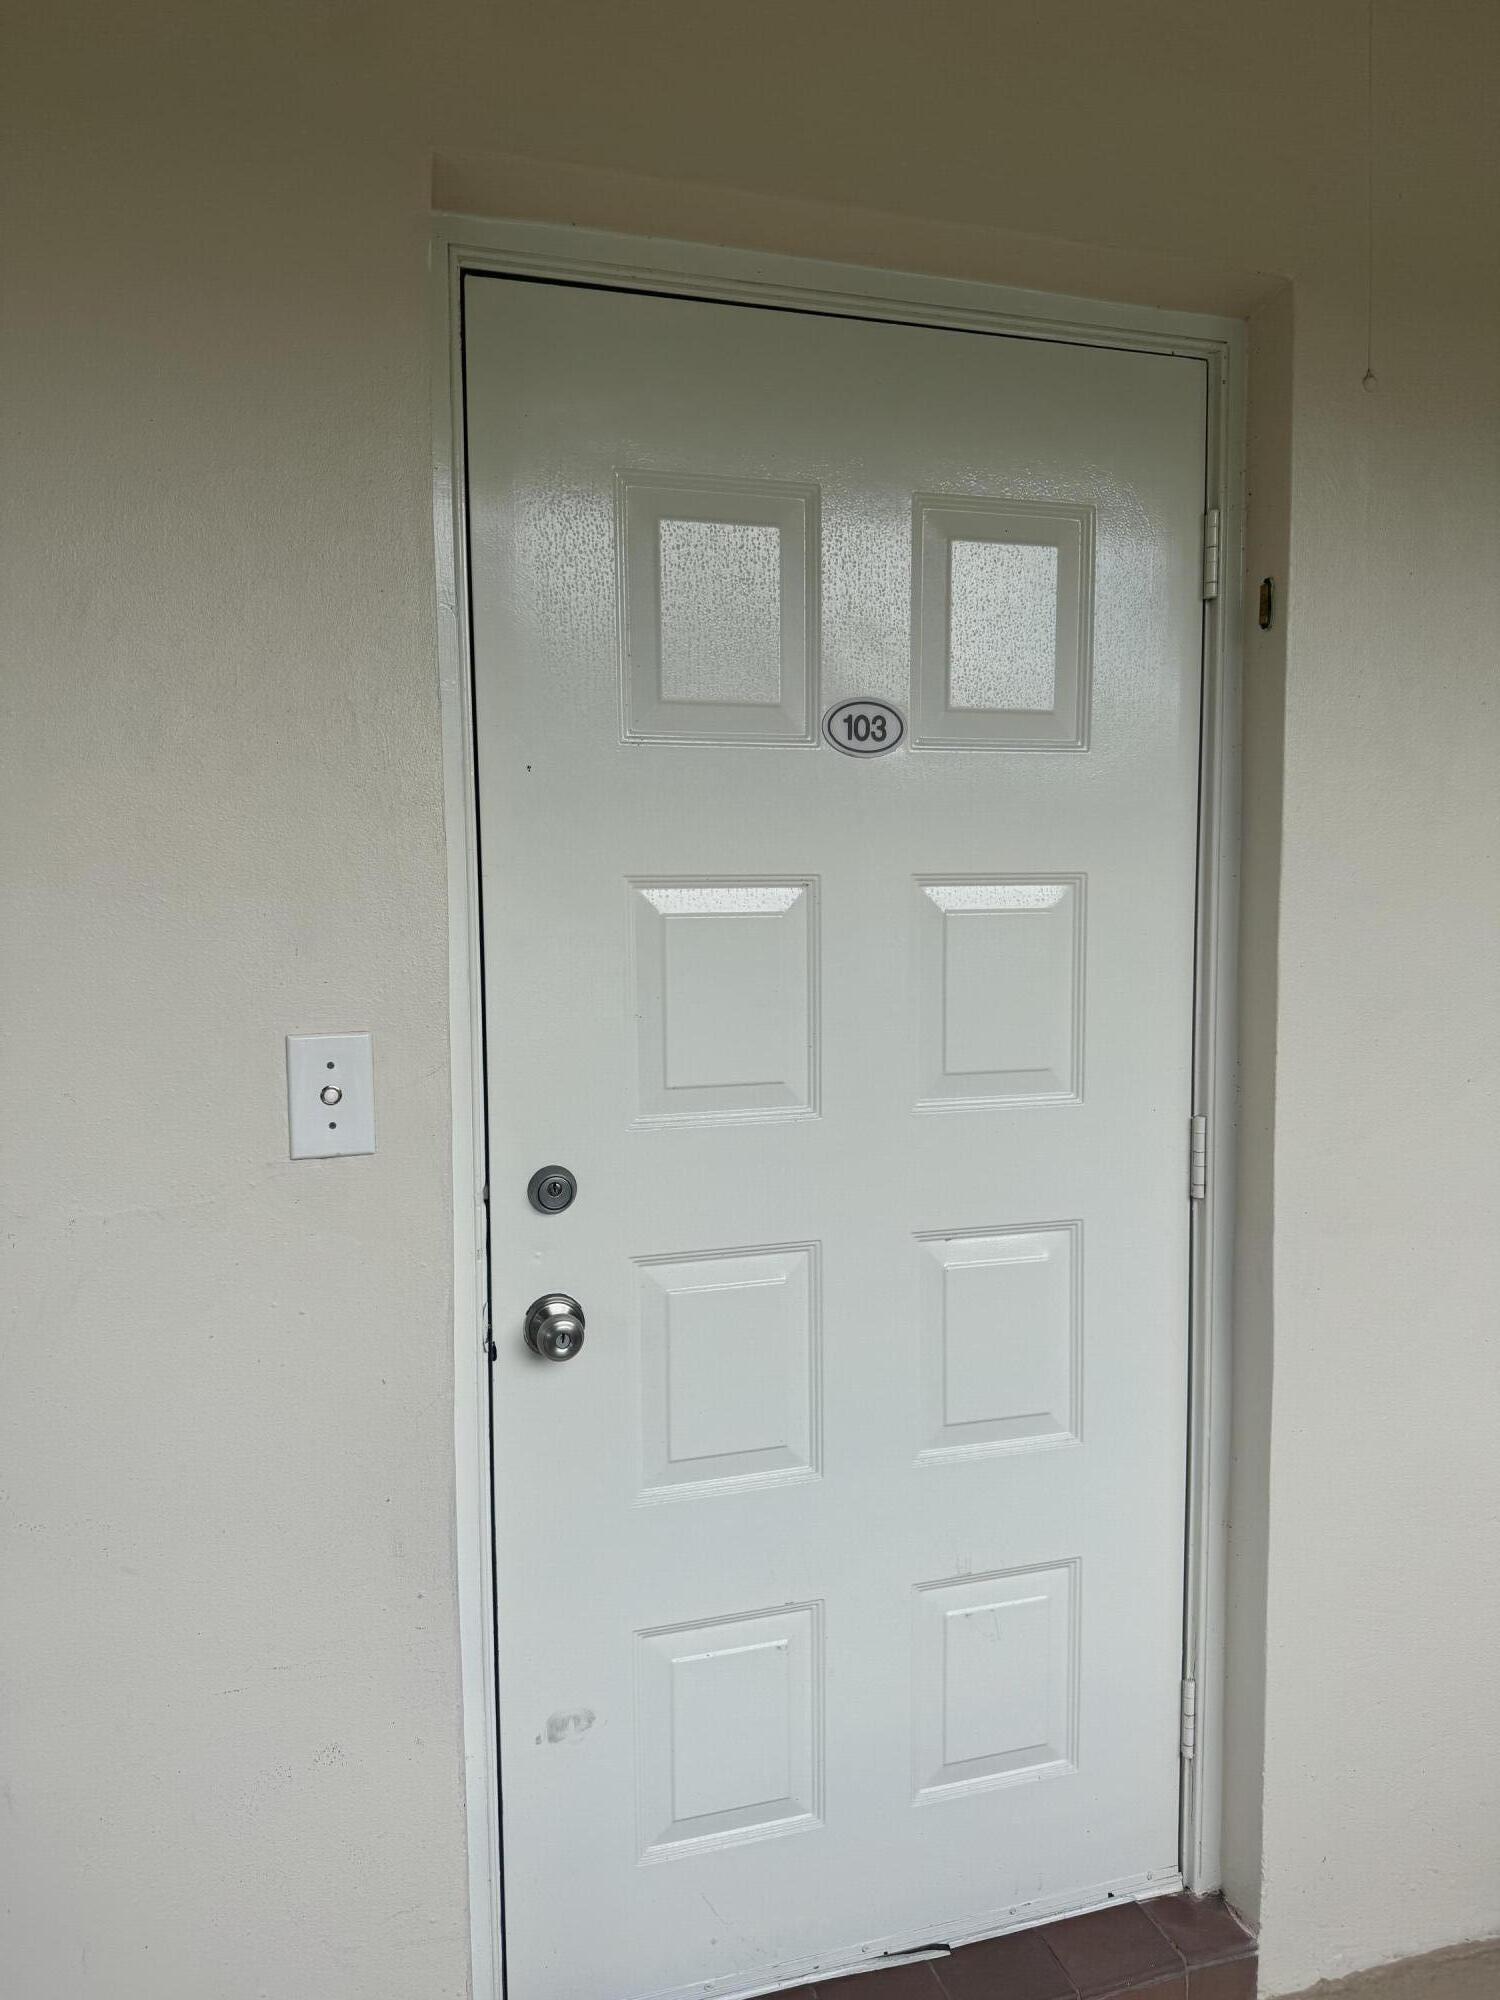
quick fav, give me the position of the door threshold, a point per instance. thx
(1130, 1940)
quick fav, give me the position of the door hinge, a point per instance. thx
(490, 1349)
(1210, 554)
(1197, 1158)
(1188, 1741)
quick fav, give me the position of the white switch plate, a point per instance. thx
(319, 1063)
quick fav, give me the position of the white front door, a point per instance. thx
(840, 1569)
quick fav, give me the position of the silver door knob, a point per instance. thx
(554, 1327)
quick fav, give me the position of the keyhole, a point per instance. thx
(551, 1189)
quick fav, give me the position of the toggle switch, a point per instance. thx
(330, 1095)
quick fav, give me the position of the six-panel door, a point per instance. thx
(839, 1576)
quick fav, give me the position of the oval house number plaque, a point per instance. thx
(864, 728)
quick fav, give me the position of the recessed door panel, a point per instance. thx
(994, 1680)
(727, 1734)
(729, 1369)
(839, 1569)
(723, 996)
(718, 608)
(1002, 627)
(1002, 1348)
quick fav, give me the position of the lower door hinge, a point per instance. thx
(1197, 1158)
(1210, 554)
(1188, 1742)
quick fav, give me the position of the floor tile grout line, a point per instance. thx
(1061, 1968)
(1248, 1946)
(1073, 1992)
(1183, 1959)
(1148, 1985)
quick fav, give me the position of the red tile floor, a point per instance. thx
(1176, 1948)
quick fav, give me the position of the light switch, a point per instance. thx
(330, 1095)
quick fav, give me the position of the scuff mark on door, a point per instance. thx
(569, 1724)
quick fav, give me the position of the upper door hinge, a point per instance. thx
(1197, 1158)
(1210, 554)
(1188, 1741)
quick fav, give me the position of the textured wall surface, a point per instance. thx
(231, 1713)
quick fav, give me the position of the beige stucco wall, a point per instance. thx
(232, 1749)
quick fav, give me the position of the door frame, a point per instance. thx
(466, 244)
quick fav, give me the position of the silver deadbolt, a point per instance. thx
(551, 1189)
(554, 1327)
